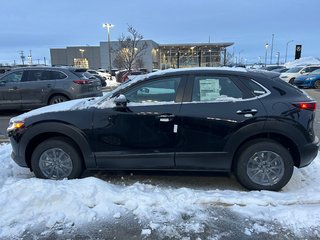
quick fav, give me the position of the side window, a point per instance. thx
(13, 77)
(209, 88)
(57, 75)
(34, 75)
(256, 89)
(160, 90)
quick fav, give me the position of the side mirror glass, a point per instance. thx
(121, 101)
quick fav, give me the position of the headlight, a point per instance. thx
(15, 126)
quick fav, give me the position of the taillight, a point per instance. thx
(82, 82)
(312, 106)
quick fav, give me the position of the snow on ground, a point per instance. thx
(27, 202)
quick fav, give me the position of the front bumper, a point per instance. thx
(15, 155)
(309, 152)
(304, 84)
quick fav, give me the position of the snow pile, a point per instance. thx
(27, 202)
(303, 62)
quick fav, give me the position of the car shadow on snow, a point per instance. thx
(193, 180)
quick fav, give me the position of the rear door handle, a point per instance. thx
(247, 111)
(13, 88)
(166, 117)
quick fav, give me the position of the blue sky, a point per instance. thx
(40, 25)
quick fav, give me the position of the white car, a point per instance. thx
(295, 72)
(111, 81)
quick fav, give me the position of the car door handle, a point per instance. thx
(49, 85)
(166, 117)
(13, 88)
(247, 111)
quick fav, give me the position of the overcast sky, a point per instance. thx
(39, 25)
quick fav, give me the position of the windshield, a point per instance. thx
(294, 70)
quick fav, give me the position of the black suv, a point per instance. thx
(32, 87)
(249, 123)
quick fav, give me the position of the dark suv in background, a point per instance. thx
(32, 87)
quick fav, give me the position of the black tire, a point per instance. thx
(317, 84)
(72, 164)
(291, 81)
(253, 162)
(57, 99)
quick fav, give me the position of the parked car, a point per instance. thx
(125, 75)
(246, 122)
(104, 73)
(312, 80)
(295, 72)
(32, 87)
(273, 67)
(280, 70)
(102, 79)
(110, 80)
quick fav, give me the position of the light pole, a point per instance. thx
(287, 50)
(108, 26)
(278, 56)
(265, 59)
(271, 49)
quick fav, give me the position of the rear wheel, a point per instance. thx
(264, 165)
(56, 158)
(317, 84)
(57, 99)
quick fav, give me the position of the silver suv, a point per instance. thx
(32, 87)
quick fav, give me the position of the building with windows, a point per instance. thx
(159, 56)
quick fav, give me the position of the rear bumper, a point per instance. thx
(309, 152)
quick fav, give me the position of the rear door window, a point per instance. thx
(58, 75)
(38, 75)
(215, 88)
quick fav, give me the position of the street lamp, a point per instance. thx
(287, 50)
(271, 49)
(265, 60)
(108, 26)
(278, 56)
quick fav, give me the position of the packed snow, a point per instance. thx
(27, 202)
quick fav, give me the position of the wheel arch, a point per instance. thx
(282, 139)
(52, 94)
(42, 131)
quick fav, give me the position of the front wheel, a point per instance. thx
(56, 158)
(317, 84)
(264, 165)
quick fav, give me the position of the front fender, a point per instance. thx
(59, 128)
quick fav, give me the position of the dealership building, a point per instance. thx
(155, 56)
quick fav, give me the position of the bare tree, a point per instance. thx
(130, 50)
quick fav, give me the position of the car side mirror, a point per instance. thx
(121, 101)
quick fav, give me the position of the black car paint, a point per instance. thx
(134, 138)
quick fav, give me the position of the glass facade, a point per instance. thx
(182, 56)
